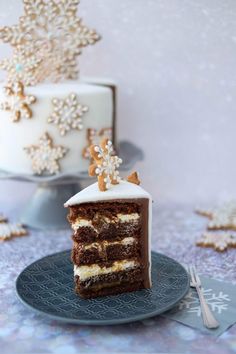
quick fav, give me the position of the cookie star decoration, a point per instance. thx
(221, 218)
(7, 231)
(133, 178)
(45, 156)
(17, 102)
(220, 242)
(67, 113)
(54, 30)
(105, 164)
(94, 136)
(22, 66)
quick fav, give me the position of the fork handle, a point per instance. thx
(207, 316)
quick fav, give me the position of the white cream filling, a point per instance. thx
(128, 217)
(100, 245)
(85, 272)
(80, 222)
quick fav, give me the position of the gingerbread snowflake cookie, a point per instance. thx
(8, 231)
(45, 156)
(220, 242)
(105, 164)
(67, 113)
(56, 33)
(221, 218)
(17, 102)
(22, 66)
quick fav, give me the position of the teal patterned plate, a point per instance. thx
(47, 287)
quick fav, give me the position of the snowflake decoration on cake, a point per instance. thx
(68, 69)
(220, 242)
(55, 32)
(22, 66)
(17, 102)
(94, 136)
(7, 231)
(105, 164)
(221, 218)
(45, 155)
(56, 69)
(217, 302)
(67, 113)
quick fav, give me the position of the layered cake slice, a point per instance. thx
(111, 240)
(111, 220)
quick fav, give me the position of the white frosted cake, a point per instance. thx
(96, 121)
(48, 117)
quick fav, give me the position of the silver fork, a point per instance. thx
(209, 320)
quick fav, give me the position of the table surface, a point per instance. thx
(175, 228)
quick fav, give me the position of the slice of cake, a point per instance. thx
(111, 240)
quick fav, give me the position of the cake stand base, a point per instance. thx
(45, 209)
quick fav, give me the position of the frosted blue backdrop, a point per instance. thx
(174, 62)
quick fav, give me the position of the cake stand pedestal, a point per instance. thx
(45, 209)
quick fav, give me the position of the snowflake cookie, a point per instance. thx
(94, 136)
(56, 69)
(45, 155)
(54, 30)
(105, 164)
(22, 66)
(220, 242)
(17, 102)
(7, 231)
(221, 218)
(67, 113)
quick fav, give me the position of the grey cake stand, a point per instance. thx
(45, 208)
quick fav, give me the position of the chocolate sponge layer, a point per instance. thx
(114, 290)
(105, 209)
(112, 231)
(112, 252)
(109, 284)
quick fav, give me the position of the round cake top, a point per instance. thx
(123, 190)
(59, 89)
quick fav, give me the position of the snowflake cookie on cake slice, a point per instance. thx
(111, 220)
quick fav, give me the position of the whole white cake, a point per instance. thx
(47, 123)
(51, 113)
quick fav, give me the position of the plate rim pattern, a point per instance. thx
(99, 322)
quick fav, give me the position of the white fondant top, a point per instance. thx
(57, 89)
(98, 80)
(123, 190)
